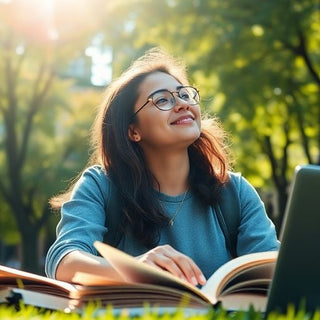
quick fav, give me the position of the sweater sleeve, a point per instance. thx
(82, 218)
(256, 231)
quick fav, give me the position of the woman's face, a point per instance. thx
(156, 129)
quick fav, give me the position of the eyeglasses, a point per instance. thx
(164, 99)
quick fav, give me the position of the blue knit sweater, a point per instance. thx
(87, 217)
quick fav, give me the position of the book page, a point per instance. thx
(134, 271)
(89, 279)
(9, 275)
(258, 277)
(235, 302)
(243, 265)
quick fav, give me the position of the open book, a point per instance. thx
(239, 283)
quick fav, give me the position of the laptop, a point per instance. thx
(296, 278)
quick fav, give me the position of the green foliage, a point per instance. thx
(29, 312)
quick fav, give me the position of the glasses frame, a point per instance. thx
(150, 98)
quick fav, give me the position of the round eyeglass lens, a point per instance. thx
(164, 100)
(189, 94)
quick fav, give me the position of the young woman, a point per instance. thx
(153, 183)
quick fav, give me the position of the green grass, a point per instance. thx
(29, 312)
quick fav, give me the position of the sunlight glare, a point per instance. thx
(32, 18)
(101, 59)
(20, 50)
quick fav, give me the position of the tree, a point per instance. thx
(275, 55)
(33, 99)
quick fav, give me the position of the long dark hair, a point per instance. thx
(123, 159)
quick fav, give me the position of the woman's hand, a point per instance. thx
(178, 264)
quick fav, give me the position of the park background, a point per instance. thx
(256, 63)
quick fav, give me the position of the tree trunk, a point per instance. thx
(30, 249)
(278, 169)
(282, 202)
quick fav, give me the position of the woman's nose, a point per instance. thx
(181, 104)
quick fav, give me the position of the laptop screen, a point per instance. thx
(296, 277)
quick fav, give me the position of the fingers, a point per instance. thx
(178, 264)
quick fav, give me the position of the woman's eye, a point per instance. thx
(185, 96)
(161, 101)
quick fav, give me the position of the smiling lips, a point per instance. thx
(184, 120)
